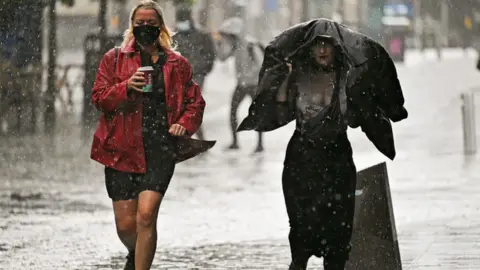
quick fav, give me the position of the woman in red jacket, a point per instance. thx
(138, 132)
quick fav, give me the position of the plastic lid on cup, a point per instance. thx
(146, 68)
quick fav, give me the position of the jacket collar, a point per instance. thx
(172, 56)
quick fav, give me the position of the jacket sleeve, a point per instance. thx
(390, 96)
(194, 104)
(107, 96)
(265, 112)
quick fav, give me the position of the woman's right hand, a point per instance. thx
(289, 65)
(136, 82)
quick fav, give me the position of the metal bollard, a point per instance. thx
(469, 125)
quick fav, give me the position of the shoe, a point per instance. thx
(130, 265)
(259, 149)
(233, 146)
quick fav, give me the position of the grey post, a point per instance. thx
(468, 121)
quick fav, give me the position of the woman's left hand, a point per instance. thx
(177, 130)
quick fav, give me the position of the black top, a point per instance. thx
(158, 143)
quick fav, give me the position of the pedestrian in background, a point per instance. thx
(196, 46)
(248, 60)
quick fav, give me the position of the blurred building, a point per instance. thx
(265, 18)
(74, 23)
(458, 20)
(20, 31)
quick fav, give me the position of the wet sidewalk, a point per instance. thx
(239, 222)
(226, 210)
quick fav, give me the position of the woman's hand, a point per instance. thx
(136, 82)
(177, 130)
(289, 65)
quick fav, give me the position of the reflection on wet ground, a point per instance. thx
(55, 214)
(232, 256)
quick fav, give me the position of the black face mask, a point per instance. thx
(146, 34)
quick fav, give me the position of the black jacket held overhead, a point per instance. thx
(374, 95)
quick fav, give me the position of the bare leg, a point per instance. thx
(260, 143)
(239, 94)
(147, 213)
(125, 219)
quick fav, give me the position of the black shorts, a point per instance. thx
(126, 186)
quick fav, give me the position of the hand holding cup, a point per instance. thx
(141, 81)
(136, 82)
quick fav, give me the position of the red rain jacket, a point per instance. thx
(118, 140)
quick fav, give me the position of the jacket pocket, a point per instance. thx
(112, 133)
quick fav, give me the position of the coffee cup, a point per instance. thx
(148, 74)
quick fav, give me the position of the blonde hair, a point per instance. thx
(165, 39)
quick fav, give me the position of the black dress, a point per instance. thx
(158, 144)
(318, 181)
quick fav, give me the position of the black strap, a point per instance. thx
(115, 59)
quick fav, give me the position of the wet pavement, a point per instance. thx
(225, 210)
